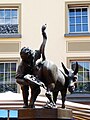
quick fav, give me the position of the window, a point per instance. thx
(83, 75)
(8, 16)
(10, 20)
(7, 76)
(78, 20)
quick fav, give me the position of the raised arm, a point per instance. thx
(42, 47)
(37, 54)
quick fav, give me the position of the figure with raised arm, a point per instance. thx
(26, 66)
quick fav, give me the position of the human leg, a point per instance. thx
(35, 91)
(25, 93)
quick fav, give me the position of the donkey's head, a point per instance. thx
(71, 77)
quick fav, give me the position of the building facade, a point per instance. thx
(68, 31)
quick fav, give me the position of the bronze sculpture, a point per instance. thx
(55, 80)
(45, 74)
(26, 66)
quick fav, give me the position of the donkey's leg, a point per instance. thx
(49, 92)
(55, 94)
(63, 94)
(49, 96)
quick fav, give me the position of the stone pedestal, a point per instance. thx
(42, 113)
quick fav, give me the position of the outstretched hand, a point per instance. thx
(43, 31)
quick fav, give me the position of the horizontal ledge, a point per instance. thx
(10, 35)
(44, 113)
(76, 34)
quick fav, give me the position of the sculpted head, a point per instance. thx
(71, 77)
(26, 54)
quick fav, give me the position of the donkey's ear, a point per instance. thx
(76, 69)
(65, 69)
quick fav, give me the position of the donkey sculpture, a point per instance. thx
(55, 80)
(48, 74)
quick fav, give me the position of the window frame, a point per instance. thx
(10, 18)
(77, 4)
(12, 85)
(75, 20)
(9, 72)
(83, 86)
(83, 71)
(13, 6)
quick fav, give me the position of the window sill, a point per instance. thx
(76, 34)
(10, 36)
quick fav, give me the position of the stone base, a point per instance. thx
(37, 113)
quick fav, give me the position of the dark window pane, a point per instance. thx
(1, 67)
(84, 11)
(13, 77)
(13, 67)
(72, 28)
(78, 11)
(86, 76)
(72, 20)
(78, 27)
(1, 77)
(80, 86)
(84, 19)
(7, 67)
(80, 76)
(85, 27)
(14, 87)
(7, 77)
(71, 12)
(78, 19)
